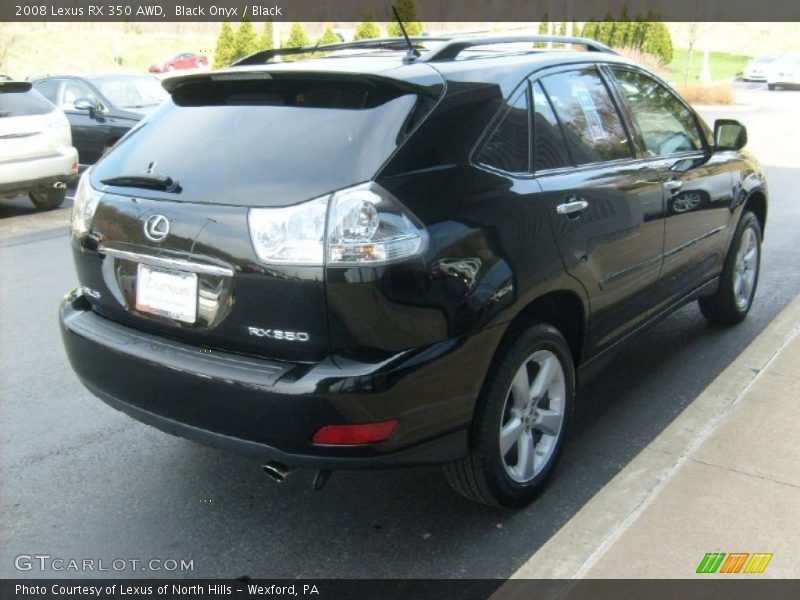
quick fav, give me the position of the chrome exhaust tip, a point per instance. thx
(277, 471)
(59, 185)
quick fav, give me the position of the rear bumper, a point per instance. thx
(22, 176)
(269, 409)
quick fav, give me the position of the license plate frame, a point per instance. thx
(168, 293)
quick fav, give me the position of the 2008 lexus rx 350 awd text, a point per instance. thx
(382, 258)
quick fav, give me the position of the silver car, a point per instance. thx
(36, 153)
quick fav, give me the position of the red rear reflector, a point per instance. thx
(351, 435)
(74, 166)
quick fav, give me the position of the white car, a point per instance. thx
(784, 72)
(757, 69)
(36, 153)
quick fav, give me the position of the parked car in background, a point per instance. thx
(184, 60)
(784, 72)
(757, 69)
(36, 153)
(102, 107)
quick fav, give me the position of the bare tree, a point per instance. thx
(7, 40)
(695, 30)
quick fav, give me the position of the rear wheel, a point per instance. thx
(48, 198)
(520, 422)
(739, 278)
(770, 86)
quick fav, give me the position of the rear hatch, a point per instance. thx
(30, 127)
(227, 144)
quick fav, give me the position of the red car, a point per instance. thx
(185, 60)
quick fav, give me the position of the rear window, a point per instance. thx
(23, 104)
(268, 142)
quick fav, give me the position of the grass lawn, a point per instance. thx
(723, 65)
(42, 52)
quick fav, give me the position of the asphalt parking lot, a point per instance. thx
(80, 480)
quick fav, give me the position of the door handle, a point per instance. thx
(572, 207)
(673, 185)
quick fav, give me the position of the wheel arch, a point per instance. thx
(757, 203)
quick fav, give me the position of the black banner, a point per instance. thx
(427, 10)
(731, 588)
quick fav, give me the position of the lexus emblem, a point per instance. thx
(156, 228)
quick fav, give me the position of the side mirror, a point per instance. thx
(85, 104)
(729, 135)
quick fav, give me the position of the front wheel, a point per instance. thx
(737, 284)
(520, 422)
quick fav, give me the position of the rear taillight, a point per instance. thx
(354, 435)
(362, 225)
(84, 205)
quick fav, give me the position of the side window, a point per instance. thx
(549, 147)
(667, 125)
(72, 91)
(508, 146)
(591, 123)
(48, 88)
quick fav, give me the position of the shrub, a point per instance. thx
(246, 40)
(367, 29)
(298, 38)
(647, 60)
(407, 9)
(706, 93)
(328, 37)
(226, 46)
(267, 41)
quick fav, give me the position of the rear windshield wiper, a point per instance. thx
(149, 181)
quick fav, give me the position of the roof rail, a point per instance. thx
(397, 43)
(452, 48)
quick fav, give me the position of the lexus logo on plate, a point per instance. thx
(156, 228)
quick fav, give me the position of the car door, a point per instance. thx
(606, 207)
(698, 184)
(89, 128)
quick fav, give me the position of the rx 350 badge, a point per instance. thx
(279, 334)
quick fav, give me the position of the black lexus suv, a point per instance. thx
(382, 257)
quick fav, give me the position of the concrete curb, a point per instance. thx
(584, 540)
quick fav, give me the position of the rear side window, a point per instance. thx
(23, 104)
(589, 118)
(550, 149)
(666, 124)
(267, 141)
(48, 89)
(508, 147)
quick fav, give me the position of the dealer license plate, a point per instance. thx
(167, 293)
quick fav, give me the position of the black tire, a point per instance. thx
(482, 476)
(723, 307)
(48, 198)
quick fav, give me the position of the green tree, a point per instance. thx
(658, 41)
(605, 29)
(622, 30)
(407, 9)
(589, 29)
(368, 28)
(226, 46)
(328, 36)
(543, 27)
(298, 38)
(267, 41)
(246, 40)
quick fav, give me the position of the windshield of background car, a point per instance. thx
(268, 142)
(23, 104)
(132, 92)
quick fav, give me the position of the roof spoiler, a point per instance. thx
(15, 87)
